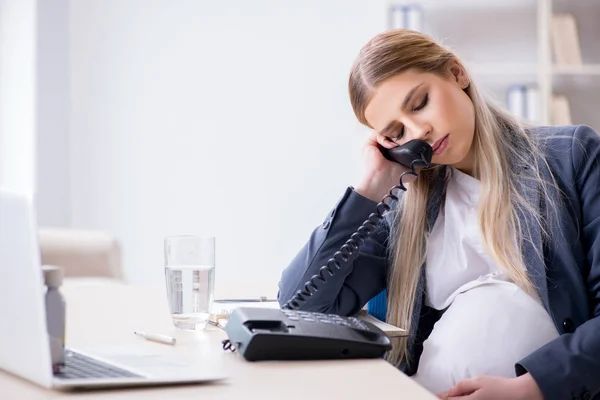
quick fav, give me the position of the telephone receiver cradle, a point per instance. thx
(292, 334)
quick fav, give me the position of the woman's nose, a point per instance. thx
(420, 131)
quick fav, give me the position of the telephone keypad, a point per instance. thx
(308, 316)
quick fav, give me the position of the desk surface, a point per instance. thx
(103, 315)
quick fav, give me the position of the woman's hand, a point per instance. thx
(380, 173)
(495, 388)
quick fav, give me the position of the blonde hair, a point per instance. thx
(499, 140)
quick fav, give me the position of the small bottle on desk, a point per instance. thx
(55, 316)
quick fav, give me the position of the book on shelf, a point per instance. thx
(523, 102)
(406, 17)
(560, 111)
(565, 40)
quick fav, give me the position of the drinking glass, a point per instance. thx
(190, 276)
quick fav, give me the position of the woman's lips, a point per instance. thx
(440, 145)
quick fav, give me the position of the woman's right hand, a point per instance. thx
(380, 174)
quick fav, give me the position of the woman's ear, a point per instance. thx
(459, 75)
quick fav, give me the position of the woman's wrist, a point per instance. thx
(529, 389)
(373, 187)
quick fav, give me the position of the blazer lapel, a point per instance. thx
(531, 244)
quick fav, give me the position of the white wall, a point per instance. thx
(225, 118)
(52, 145)
(17, 97)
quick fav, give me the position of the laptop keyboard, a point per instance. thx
(78, 366)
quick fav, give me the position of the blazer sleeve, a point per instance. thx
(569, 366)
(352, 286)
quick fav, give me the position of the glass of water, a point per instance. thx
(190, 276)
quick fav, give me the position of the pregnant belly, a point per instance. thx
(485, 331)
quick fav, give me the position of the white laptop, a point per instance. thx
(24, 344)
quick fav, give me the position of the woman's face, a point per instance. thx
(419, 105)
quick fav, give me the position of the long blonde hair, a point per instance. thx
(497, 134)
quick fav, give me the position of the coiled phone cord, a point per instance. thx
(350, 248)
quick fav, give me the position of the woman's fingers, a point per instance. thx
(382, 140)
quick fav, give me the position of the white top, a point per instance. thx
(490, 323)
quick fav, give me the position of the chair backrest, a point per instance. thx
(377, 306)
(81, 253)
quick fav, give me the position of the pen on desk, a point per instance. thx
(155, 337)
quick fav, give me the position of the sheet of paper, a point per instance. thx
(228, 307)
(390, 330)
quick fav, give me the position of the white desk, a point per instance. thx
(106, 314)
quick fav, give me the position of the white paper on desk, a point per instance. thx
(390, 330)
(228, 307)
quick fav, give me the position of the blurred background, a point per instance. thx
(142, 119)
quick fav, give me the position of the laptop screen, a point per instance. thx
(24, 348)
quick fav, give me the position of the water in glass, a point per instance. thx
(190, 291)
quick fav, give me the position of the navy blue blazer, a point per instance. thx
(565, 269)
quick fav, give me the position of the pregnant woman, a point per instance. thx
(491, 258)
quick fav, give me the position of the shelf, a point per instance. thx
(470, 4)
(509, 38)
(509, 43)
(498, 77)
(585, 69)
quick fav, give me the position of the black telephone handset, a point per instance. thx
(417, 151)
(290, 334)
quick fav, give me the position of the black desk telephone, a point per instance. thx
(291, 334)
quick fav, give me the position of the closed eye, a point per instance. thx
(423, 103)
(418, 108)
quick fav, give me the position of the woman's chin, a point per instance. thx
(451, 158)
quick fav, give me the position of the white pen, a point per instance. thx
(155, 337)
